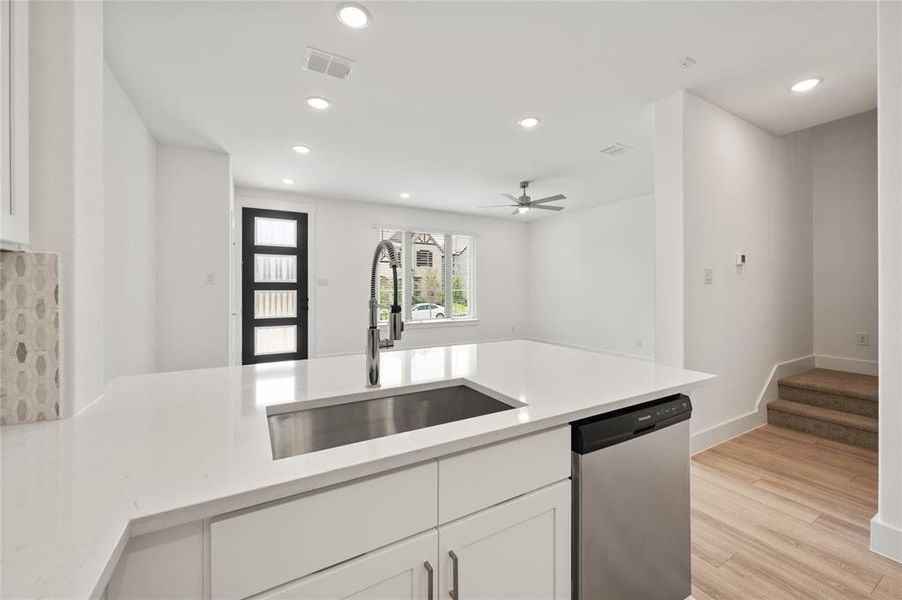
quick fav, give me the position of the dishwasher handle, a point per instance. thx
(615, 427)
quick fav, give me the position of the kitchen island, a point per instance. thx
(165, 451)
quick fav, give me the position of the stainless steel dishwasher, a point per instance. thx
(631, 503)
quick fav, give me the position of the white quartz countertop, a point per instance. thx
(164, 449)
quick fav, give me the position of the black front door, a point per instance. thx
(273, 285)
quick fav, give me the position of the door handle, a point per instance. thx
(454, 592)
(429, 580)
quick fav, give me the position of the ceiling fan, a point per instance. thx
(524, 203)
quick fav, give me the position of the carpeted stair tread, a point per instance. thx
(825, 414)
(823, 429)
(839, 383)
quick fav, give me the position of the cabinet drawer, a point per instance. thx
(480, 478)
(257, 550)
(397, 572)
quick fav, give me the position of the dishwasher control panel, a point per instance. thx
(617, 426)
(663, 411)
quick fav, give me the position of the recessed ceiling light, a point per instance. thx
(287, 181)
(353, 15)
(522, 209)
(405, 195)
(529, 122)
(805, 85)
(317, 103)
(301, 149)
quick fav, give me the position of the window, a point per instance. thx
(440, 283)
(424, 258)
(384, 274)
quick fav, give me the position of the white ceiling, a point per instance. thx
(433, 102)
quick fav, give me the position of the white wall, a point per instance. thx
(193, 223)
(886, 527)
(129, 230)
(744, 189)
(66, 181)
(343, 244)
(669, 231)
(844, 191)
(593, 277)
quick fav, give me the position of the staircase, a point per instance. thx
(830, 404)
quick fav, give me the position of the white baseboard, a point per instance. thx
(406, 346)
(722, 432)
(600, 350)
(719, 434)
(886, 539)
(850, 365)
(786, 368)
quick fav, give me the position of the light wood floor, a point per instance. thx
(779, 514)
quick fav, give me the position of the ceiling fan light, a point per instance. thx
(522, 209)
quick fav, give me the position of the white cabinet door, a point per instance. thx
(518, 550)
(399, 572)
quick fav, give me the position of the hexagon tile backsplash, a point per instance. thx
(29, 337)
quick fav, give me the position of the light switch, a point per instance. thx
(209, 279)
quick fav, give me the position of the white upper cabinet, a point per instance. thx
(14, 123)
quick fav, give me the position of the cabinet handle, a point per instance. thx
(429, 580)
(455, 590)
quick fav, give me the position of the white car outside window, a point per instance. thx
(426, 310)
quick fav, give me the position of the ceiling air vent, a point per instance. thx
(327, 64)
(615, 149)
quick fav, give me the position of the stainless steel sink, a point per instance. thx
(309, 430)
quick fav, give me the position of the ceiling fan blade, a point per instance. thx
(549, 199)
(547, 207)
(496, 205)
(510, 197)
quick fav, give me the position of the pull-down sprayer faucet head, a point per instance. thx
(395, 322)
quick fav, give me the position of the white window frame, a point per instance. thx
(409, 262)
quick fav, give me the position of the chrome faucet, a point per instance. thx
(395, 323)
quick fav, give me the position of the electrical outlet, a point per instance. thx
(863, 339)
(209, 279)
(709, 275)
(639, 343)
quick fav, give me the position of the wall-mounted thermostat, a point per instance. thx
(740, 258)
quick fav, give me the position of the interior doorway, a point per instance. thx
(274, 286)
